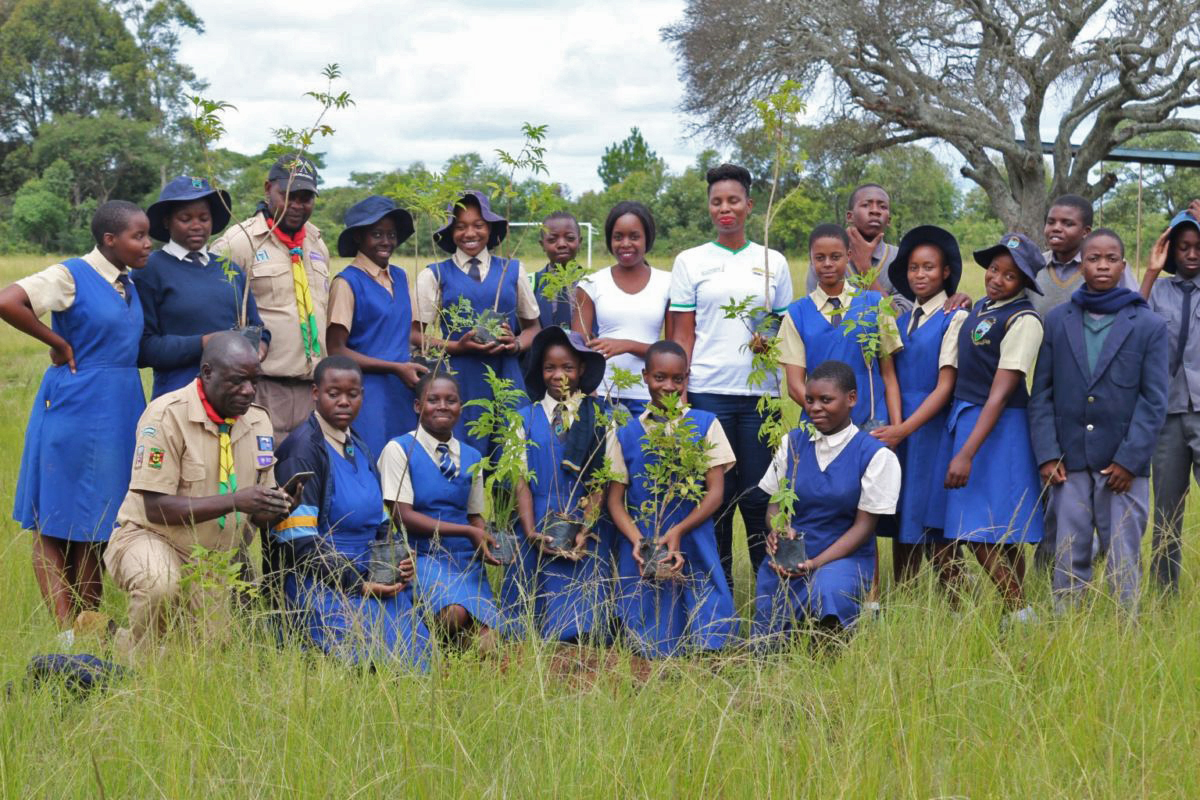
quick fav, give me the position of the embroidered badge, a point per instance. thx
(137, 459)
(149, 431)
(266, 442)
(156, 458)
(266, 461)
(261, 256)
(197, 183)
(981, 330)
(1013, 243)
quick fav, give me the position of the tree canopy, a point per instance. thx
(984, 77)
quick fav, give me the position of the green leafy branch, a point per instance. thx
(502, 424)
(676, 462)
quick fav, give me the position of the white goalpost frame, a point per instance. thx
(590, 232)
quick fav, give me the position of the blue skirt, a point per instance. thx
(359, 629)
(834, 590)
(456, 578)
(565, 599)
(78, 451)
(1000, 503)
(924, 459)
(667, 618)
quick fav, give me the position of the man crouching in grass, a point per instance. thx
(202, 474)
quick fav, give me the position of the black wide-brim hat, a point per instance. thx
(185, 189)
(366, 213)
(940, 238)
(1182, 218)
(497, 224)
(593, 362)
(1025, 254)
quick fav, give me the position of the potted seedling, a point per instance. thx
(385, 555)
(504, 467)
(870, 341)
(676, 463)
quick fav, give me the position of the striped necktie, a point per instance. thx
(445, 465)
(559, 420)
(305, 310)
(226, 476)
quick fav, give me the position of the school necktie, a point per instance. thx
(195, 258)
(918, 312)
(126, 284)
(836, 318)
(473, 270)
(304, 303)
(445, 465)
(559, 420)
(1187, 287)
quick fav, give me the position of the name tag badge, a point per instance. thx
(261, 256)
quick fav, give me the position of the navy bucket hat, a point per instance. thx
(940, 238)
(593, 362)
(1182, 218)
(185, 189)
(497, 223)
(367, 212)
(1025, 254)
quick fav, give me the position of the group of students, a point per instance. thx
(292, 403)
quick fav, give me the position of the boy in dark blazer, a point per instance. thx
(1098, 403)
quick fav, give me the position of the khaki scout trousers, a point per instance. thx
(289, 401)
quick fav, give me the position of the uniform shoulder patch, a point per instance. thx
(156, 458)
(266, 443)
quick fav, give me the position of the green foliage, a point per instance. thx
(624, 158)
(502, 424)
(676, 463)
(41, 214)
(216, 570)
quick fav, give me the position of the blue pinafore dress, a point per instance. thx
(826, 506)
(666, 618)
(1001, 502)
(381, 329)
(824, 341)
(925, 455)
(79, 442)
(471, 370)
(566, 598)
(355, 627)
(449, 571)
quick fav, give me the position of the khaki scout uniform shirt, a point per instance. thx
(177, 453)
(269, 266)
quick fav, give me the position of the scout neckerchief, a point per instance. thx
(226, 476)
(304, 304)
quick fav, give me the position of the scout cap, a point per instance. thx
(367, 212)
(1182, 218)
(940, 238)
(1025, 254)
(185, 189)
(301, 171)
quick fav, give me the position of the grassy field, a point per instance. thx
(923, 702)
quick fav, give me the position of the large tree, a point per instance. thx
(986, 76)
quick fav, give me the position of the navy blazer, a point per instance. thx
(1090, 420)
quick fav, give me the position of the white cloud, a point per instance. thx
(432, 80)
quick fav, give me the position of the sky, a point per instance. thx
(434, 79)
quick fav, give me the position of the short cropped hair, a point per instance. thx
(729, 172)
(338, 362)
(435, 375)
(567, 215)
(638, 210)
(861, 187)
(839, 372)
(666, 347)
(828, 230)
(113, 217)
(1103, 233)
(1079, 203)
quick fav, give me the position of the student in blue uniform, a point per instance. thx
(323, 546)
(814, 330)
(1177, 456)
(560, 241)
(1098, 403)
(436, 496)
(693, 611)
(926, 272)
(995, 506)
(565, 590)
(80, 437)
(843, 479)
(488, 283)
(370, 318)
(188, 293)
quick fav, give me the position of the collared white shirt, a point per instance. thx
(948, 354)
(791, 345)
(53, 289)
(396, 481)
(879, 487)
(179, 251)
(428, 301)
(720, 452)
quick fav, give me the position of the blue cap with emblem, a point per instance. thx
(1024, 253)
(1182, 218)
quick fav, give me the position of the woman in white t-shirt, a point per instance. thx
(728, 270)
(627, 302)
